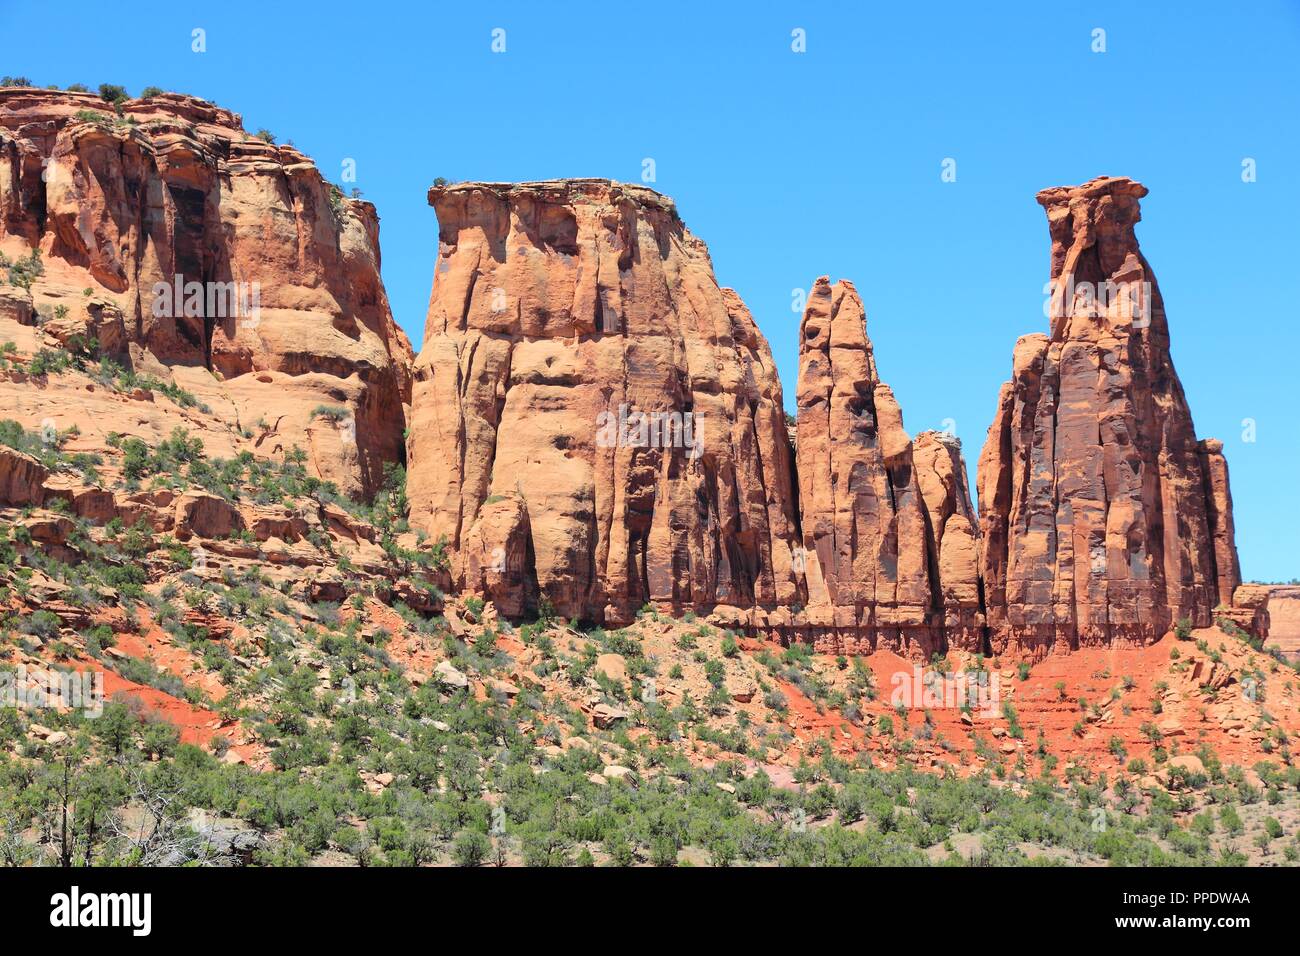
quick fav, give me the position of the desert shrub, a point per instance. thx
(112, 93)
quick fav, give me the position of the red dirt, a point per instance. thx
(1088, 673)
(154, 644)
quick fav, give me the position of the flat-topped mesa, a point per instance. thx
(882, 521)
(595, 423)
(197, 253)
(1103, 518)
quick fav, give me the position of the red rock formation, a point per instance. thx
(561, 313)
(889, 533)
(954, 543)
(1248, 609)
(290, 312)
(863, 520)
(1218, 513)
(1103, 520)
(22, 478)
(1284, 619)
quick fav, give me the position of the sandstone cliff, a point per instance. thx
(1103, 519)
(595, 422)
(277, 306)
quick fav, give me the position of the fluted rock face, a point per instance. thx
(595, 423)
(280, 303)
(1103, 519)
(872, 553)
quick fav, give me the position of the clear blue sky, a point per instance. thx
(794, 165)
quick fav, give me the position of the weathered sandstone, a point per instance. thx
(561, 312)
(1103, 519)
(954, 543)
(890, 537)
(290, 312)
(22, 478)
(863, 519)
(1284, 619)
(1248, 609)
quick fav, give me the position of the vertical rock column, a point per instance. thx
(954, 542)
(864, 522)
(1100, 523)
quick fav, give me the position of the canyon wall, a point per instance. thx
(277, 310)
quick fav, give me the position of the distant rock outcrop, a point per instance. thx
(1284, 619)
(1104, 520)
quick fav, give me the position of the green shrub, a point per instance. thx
(470, 848)
(333, 413)
(112, 93)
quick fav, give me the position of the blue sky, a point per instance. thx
(794, 165)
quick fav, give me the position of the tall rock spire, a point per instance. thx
(873, 528)
(1100, 521)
